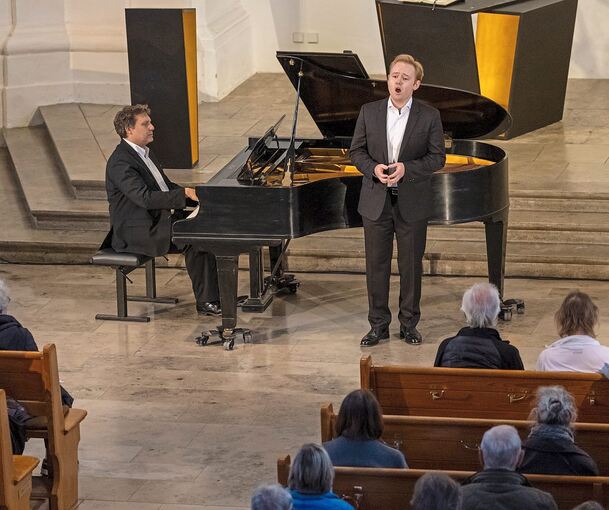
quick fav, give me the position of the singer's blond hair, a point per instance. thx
(409, 59)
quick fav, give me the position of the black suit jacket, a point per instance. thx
(140, 213)
(422, 153)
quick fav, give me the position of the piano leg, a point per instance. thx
(228, 278)
(496, 241)
(257, 301)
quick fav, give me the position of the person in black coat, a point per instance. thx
(14, 337)
(479, 345)
(144, 203)
(550, 448)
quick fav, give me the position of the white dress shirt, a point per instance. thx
(576, 353)
(396, 125)
(143, 153)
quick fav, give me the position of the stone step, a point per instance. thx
(541, 202)
(47, 194)
(467, 258)
(79, 154)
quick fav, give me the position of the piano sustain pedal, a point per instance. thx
(225, 337)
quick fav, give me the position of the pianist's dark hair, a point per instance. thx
(409, 59)
(360, 416)
(126, 117)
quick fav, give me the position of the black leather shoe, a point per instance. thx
(411, 336)
(209, 308)
(373, 337)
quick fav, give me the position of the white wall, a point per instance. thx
(75, 50)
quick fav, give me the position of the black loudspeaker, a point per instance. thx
(162, 50)
(518, 53)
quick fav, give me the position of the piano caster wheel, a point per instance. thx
(293, 288)
(229, 345)
(247, 338)
(505, 314)
(518, 303)
(202, 340)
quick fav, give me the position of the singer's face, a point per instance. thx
(402, 82)
(141, 133)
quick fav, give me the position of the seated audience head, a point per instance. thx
(436, 491)
(554, 406)
(311, 471)
(5, 299)
(577, 315)
(360, 416)
(501, 448)
(481, 305)
(271, 497)
(589, 505)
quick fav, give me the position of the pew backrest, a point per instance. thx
(392, 489)
(478, 393)
(433, 442)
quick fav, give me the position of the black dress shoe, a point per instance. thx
(209, 308)
(373, 337)
(411, 336)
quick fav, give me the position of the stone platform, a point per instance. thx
(53, 198)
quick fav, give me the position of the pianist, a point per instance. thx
(144, 203)
(397, 145)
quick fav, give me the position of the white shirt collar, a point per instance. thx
(406, 107)
(142, 151)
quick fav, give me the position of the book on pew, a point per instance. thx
(440, 3)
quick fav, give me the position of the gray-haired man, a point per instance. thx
(498, 486)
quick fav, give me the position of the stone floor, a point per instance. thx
(174, 426)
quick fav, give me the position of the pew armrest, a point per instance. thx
(23, 465)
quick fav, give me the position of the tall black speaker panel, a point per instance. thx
(162, 50)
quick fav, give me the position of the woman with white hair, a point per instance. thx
(13, 336)
(550, 448)
(310, 481)
(479, 345)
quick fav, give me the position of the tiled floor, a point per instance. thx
(175, 426)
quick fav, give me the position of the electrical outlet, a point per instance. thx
(312, 37)
(298, 37)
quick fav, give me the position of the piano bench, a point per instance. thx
(123, 264)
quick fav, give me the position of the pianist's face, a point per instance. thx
(402, 82)
(141, 133)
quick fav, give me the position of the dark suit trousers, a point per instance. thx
(411, 238)
(201, 267)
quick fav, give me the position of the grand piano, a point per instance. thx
(277, 189)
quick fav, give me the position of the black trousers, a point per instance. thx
(201, 267)
(411, 238)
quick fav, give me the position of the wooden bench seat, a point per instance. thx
(15, 470)
(391, 489)
(33, 379)
(478, 393)
(432, 442)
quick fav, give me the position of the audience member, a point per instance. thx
(578, 350)
(14, 337)
(358, 428)
(310, 481)
(550, 448)
(436, 491)
(479, 345)
(271, 497)
(498, 486)
(589, 505)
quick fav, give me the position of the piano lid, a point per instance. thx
(335, 86)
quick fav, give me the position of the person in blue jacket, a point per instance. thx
(359, 427)
(310, 481)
